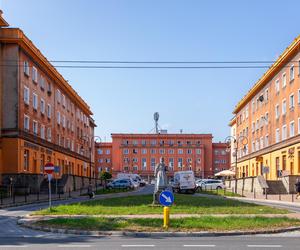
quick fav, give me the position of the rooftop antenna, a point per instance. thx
(156, 118)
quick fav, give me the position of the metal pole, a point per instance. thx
(236, 149)
(49, 193)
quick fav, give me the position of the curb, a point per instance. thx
(29, 225)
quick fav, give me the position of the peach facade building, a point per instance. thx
(42, 118)
(139, 153)
(269, 117)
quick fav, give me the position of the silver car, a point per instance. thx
(212, 185)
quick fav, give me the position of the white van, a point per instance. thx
(184, 182)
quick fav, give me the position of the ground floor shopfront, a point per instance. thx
(22, 162)
(275, 162)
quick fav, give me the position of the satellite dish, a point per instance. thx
(156, 116)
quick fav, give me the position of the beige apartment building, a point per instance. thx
(267, 119)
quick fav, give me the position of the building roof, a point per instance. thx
(3, 23)
(290, 51)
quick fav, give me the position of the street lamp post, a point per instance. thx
(90, 138)
(236, 140)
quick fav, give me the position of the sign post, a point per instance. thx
(49, 168)
(166, 198)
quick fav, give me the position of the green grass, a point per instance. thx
(220, 193)
(184, 204)
(206, 223)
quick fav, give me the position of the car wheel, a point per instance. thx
(218, 188)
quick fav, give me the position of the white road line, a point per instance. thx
(199, 245)
(71, 245)
(14, 246)
(266, 246)
(138, 245)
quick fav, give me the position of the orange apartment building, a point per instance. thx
(103, 157)
(139, 153)
(42, 118)
(269, 117)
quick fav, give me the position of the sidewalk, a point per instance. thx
(20, 200)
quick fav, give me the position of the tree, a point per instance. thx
(105, 176)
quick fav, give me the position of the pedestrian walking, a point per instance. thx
(90, 191)
(297, 184)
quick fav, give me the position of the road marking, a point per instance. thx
(266, 246)
(199, 245)
(138, 245)
(71, 245)
(14, 246)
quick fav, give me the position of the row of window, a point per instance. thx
(284, 105)
(107, 160)
(284, 131)
(220, 161)
(169, 161)
(60, 97)
(219, 152)
(264, 96)
(126, 151)
(46, 134)
(101, 151)
(36, 101)
(161, 142)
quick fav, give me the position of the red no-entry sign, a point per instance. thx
(49, 168)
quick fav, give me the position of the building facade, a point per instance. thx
(103, 157)
(139, 153)
(269, 117)
(43, 119)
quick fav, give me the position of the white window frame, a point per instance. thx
(34, 74)
(49, 110)
(277, 135)
(277, 111)
(292, 129)
(283, 107)
(283, 80)
(58, 96)
(43, 131)
(284, 132)
(292, 72)
(35, 102)
(43, 106)
(58, 117)
(35, 127)
(292, 103)
(26, 68)
(26, 123)
(26, 95)
(277, 86)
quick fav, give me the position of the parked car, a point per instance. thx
(121, 183)
(134, 177)
(199, 182)
(212, 185)
(184, 182)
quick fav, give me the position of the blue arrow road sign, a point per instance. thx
(166, 198)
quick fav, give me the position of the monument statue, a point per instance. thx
(161, 179)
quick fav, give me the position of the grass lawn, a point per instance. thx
(206, 223)
(184, 204)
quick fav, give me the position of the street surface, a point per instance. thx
(14, 237)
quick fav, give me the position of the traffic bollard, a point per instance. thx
(254, 193)
(279, 196)
(166, 217)
(292, 197)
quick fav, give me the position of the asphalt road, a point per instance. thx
(14, 237)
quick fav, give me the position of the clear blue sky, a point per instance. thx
(124, 100)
